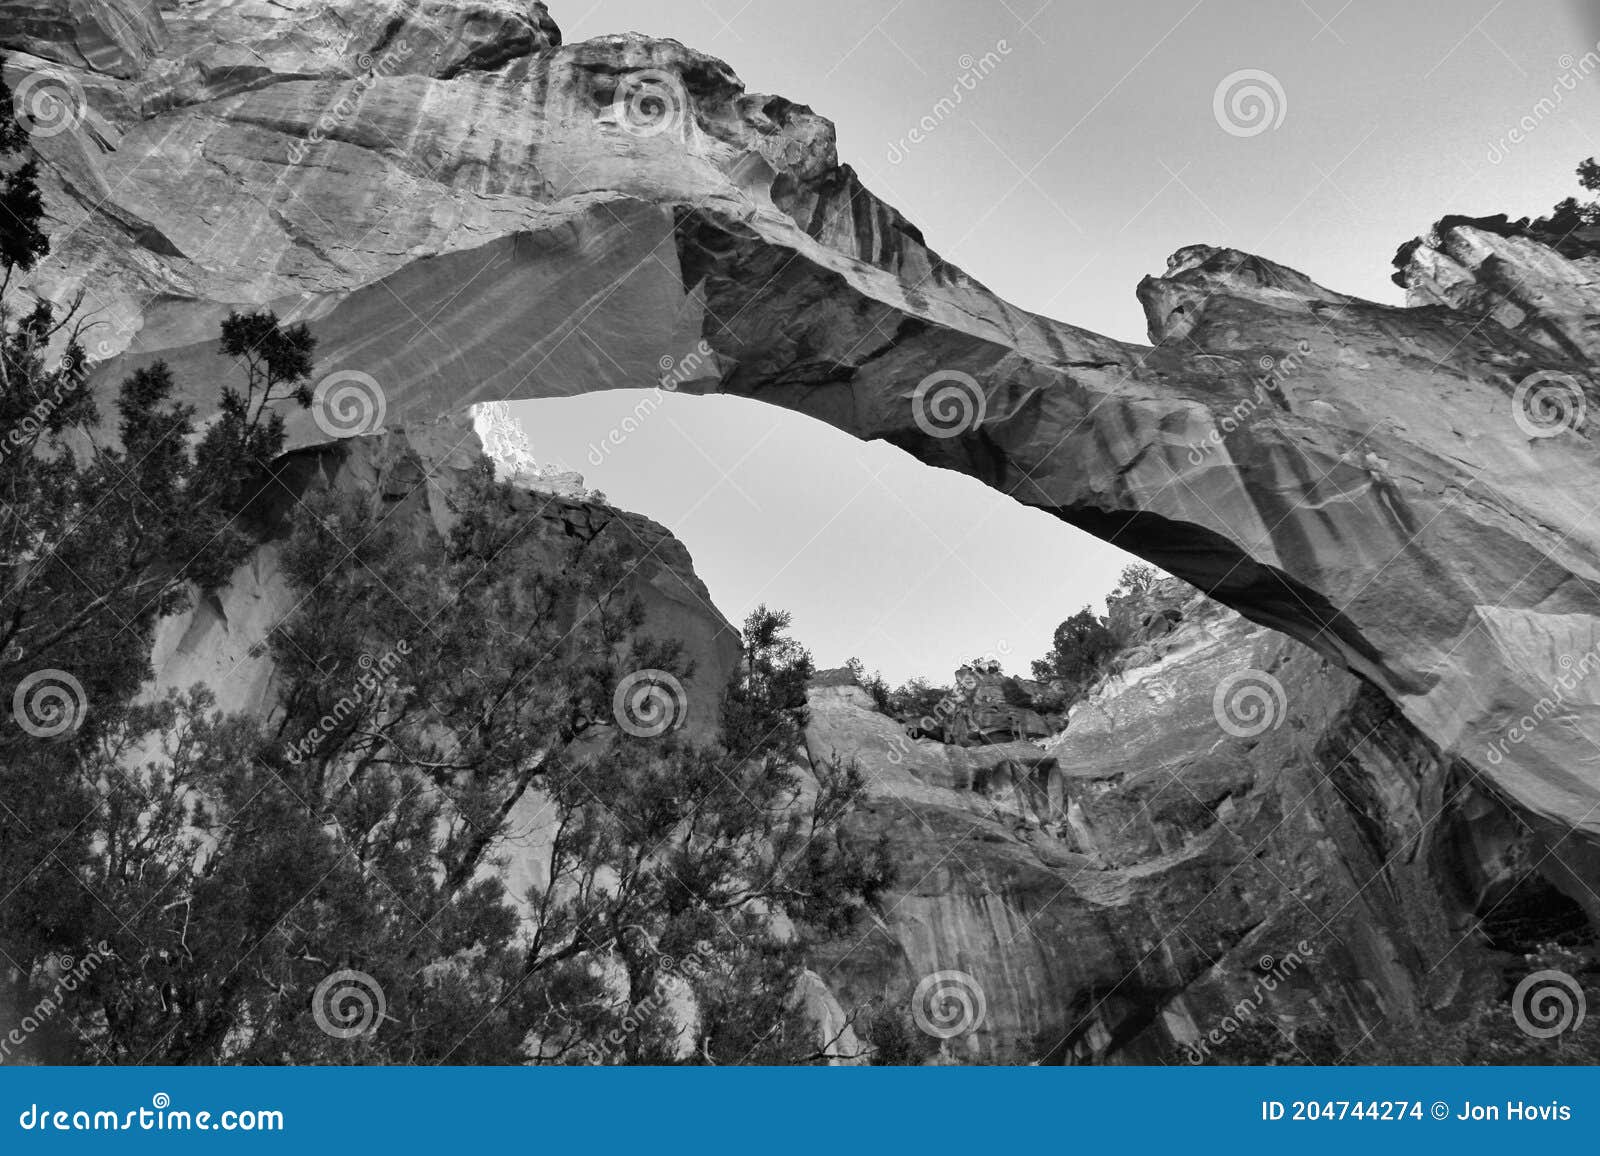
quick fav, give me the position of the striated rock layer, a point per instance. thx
(468, 210)
(1116, 892)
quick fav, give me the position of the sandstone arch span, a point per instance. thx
(475, 223)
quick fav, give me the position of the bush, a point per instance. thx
(1083, 650)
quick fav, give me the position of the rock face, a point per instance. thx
(467, 210)
(411, 475)
(1115, 892)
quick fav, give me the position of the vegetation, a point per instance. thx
(1082, 650)
(1484, 1033)
(1572, 214)
(1136, 578)
(327, 883)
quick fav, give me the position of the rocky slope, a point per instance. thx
(1229, 806)
(468, 210)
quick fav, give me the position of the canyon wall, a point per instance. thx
(466, 210)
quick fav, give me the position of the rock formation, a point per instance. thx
(1115, 892)
(468, 210)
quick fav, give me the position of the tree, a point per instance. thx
(1572, 214)
(1136, 578)
(249, 877)
(22, 236)
(358, 832)
(1081, 650)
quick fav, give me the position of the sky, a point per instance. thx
(1083, 159)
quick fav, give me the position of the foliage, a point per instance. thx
(1082, 650)
(1572, 214)
(874, 684)
(435, 695)
(22, 236)
(1136, 578)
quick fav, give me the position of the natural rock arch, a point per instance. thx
(484, 225)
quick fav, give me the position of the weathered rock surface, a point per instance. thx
(468, 210)
(1118, 895)
(411, 474)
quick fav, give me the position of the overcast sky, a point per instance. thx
(1075, 168)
